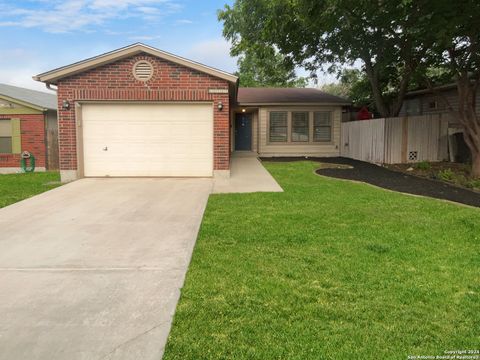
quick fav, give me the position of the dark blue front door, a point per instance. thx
(243, 132)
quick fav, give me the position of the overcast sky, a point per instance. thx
(39, 35)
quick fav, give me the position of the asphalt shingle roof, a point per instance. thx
(38, 98)
(287, 95)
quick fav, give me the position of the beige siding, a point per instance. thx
(420, 104)
(282, 149)
(255, 132)
(9, 107)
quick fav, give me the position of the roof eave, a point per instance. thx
(429, 91)
(53, 76)
(24, 103)
(283, 103)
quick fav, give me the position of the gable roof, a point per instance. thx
(53, 76)
(271, 96)
(38, 99)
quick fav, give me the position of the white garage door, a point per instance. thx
(147, 139)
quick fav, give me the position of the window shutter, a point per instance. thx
(16, 137)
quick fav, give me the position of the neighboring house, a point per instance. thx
(424, 101)
(140, 111)
(28, 122)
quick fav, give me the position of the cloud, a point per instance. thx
(183, 22)
(64, 16)
(215, 53)
(17, 67)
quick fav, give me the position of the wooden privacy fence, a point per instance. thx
(396, 140)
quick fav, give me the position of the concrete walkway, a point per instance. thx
(92, 270)
(247, 175)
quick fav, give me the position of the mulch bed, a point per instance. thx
(392, 180)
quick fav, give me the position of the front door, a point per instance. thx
(243, 132)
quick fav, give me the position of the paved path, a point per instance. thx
(93, 269)
(247, 175)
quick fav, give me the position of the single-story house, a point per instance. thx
(140, 111)
(425, 102)
(28, 122)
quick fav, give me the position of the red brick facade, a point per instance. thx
(32, 129)
(115, 82)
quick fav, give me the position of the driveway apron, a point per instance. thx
(93, 269)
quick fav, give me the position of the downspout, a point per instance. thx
(47, 158)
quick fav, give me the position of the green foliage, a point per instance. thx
(389, 37)
(431, 76)
(446, 175)
(353, 85)
(267, 69)
(423, 165)
(473, 184)
(457, 49)
(329, 269)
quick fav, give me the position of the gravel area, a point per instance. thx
(392, 180)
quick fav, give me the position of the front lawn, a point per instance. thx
(16, 187)
(329, 269)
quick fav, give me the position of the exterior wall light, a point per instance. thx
(220, 106)
(65, 105)
(244, 110)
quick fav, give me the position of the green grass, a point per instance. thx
(329, 269)
(16, 187)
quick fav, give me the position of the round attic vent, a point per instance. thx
(143, 70)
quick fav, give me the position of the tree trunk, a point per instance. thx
(405, 81)
(476, 165)
(469, 119)
(376, 91)
(387, 110)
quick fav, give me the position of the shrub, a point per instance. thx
(446, 175)
(423, 165)
(473, 184)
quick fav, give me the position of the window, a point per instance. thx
(432, 105)
(5, 136)
(278, 126)
(412, 106)
(322, 127)
(300, 127)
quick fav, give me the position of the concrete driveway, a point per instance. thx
(93, 269)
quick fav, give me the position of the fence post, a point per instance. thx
(404, 139)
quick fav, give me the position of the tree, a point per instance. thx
(267, 69)
(387, 36)
(456, 50)
(396, 42)
(352, 85)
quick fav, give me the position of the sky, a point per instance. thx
(40, 35)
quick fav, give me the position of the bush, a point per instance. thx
(446, 175)
(423, 165)
(473, 184)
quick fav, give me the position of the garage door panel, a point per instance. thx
(148, 140)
